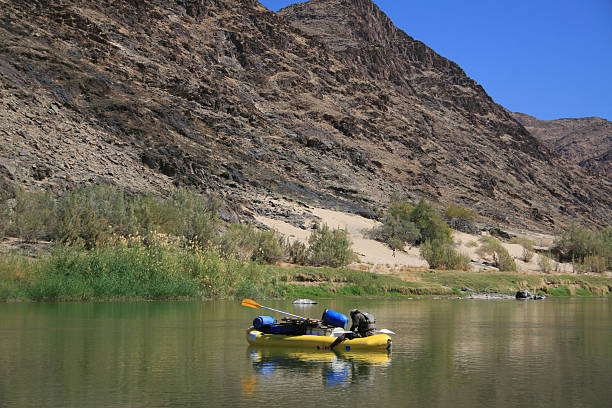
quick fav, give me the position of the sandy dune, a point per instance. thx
(378, 257)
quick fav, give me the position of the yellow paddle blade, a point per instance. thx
(250, 303)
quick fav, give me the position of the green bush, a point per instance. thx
(442, 255)
(591, 263)
(430, 223)
(503, 260)
(197, 216)
(527, 255)
(151, 213)
(396, 231)
(406, 224)
(578, 243)
(459, 212)
(33, 217)
(269, 247)
(249, 243)
(89, 215)
(330, 247)
(297, 252)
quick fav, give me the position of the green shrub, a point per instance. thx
(297, 252)
(442, 255)
(458, 212)
(527, 255)
(89, 215)
(239, 240)
(396, 231)
(578, 243)
(406, 224)
(330, 247)
(503, 260)
(269, 247)
(33, 217)
(197, 216)
(249, 243)
(430, 223)
(592, 263)
(151, 213)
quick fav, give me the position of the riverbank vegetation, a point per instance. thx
(406, 224)
(108, 244)
(159, 267)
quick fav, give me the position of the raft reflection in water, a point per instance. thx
(336, 368)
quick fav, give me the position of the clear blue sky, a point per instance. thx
(549, 59)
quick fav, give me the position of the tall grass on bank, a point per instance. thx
(90, 215)
(152, 267)
(159, 267)
(93, 216)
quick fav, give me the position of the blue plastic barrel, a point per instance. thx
(335, 319)
(261, 321)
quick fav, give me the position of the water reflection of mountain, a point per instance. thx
(336, 368)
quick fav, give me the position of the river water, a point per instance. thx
(446, 353)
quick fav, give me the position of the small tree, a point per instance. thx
(406, 224)
(330, 247)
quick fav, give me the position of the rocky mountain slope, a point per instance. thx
(585, 141)
(226, 96)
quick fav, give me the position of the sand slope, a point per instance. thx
(378, 257)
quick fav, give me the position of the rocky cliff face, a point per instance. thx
(584, 141)
(226, 96)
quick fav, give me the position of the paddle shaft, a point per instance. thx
(288, 314)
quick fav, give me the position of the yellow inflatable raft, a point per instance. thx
(375, 342)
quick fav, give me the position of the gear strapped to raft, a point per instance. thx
(295, 327)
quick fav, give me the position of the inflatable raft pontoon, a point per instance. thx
(308, 341)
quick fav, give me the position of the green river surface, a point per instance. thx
(446, 353)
